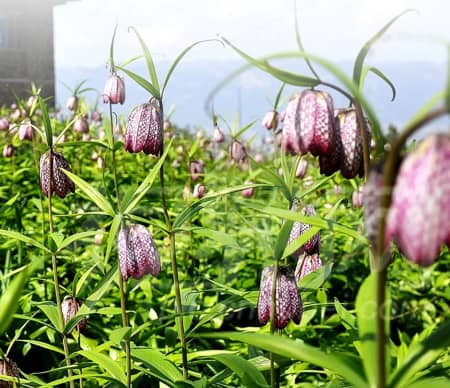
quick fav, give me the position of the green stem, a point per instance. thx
(122, 285)
(173, 258)
(389, 175)
(55, 273)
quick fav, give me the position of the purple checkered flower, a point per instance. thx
(58, 182)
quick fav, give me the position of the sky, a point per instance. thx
(332, 28)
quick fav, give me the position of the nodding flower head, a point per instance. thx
(199, 190)
(26, 131)
(270, 120)
(72, 103)
(138, 255)
(196, 169)
(418, 218)
(218, 135)
(114, 91)
(70, 307)
(57, 182)
(307, 264)
(301, 169)
(4, 124)
(8, 151)
(290, 136)
(288, 304)
(145, 129)
(238, 152)
(298, 228)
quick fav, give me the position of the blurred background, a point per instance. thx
(57, 42)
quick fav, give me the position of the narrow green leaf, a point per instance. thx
(150, 64)
(224, 239)
(111, 49)
(75, 237)
(421, 355)
(113, 230)
(83, 278)
(245, 370)
(179, 58)
(113, 368)
(430, 382)
(278, 97)
(158, 363)
(51, 312)
(130, 60)
(19, 236)
(93, 194)
(141, 81)
(146, 183)
(244, 129)
(103, 287)
(43, 345)
(282, 75)
(9, 301)
(196, 206)
(359, 62)
(283, 238)
(47, 124)
(347, 318)
(380, 74)
(120, 334)
(299, 241)
(344, 365)
(316, 279)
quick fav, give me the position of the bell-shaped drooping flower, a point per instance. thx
(290, 136)
(70, 307)
(96, 116)
(419, 215)
(316, 123)
(196, 169)
(8, 151)
(31, 101)
(114, 91)
(218, 135)
(8, 368)
(238, 152)
(72, 103)
(58, 182)
(199, 191)
(351, 147)
(270, 120)
(288, 304)
(307, 264)
(26, 131)
(144, 129)
(298, 228)
(81, 125)
(4, 124)
(138, 255)
(301, 169)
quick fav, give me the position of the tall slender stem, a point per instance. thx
(173, 258)
(55, 272)
(122, 285)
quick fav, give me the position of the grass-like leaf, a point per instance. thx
(21, 237)
(158, 363)
(113, 368)
(141, 81)
(359, 62)
(381, 75)
(344, 365)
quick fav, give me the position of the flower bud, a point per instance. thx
(138, 255)
(58, 182)
(238, 152)
(247, 193)
(298, 228)
(26, 131)
(98, 238)
(270, 120)
(301, 169)
(8, 368)
(290, 138)
(316, 123)
(199, 191)
(8, 151)
(4, 124)
(86, 137)
(144, 129)
(81, 125)
(96, 116)
(307, 264)
(218, 135)
(114, 91)
(196, 169)
(72, 103)
(70, 307)
(100, 162)
(357, 197)
(418, 219)
(31, 101)
(288, 302)
(259, 158)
